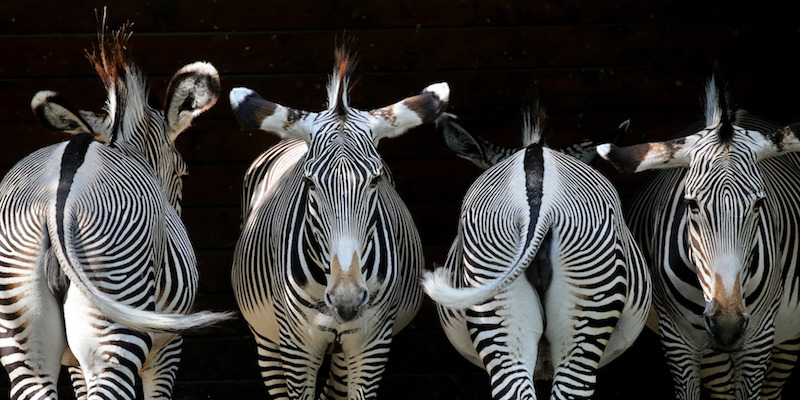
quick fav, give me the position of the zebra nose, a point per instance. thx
(347, 303)
(727, 329)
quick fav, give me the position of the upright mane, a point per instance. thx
(719, 113)
(339, 82)
(533, 121)
(125, 87)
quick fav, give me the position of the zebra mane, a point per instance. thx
(533, 121)
(719, 113)
(339, 82)
(127, 93)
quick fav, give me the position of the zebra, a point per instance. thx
(329, 259)
(96, 267)
(586, 291)
(719, 226)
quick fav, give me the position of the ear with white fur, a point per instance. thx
(645, 156)
(56, 114)
(394, 120)
(192, 90)
(254, 112)
(782, 141)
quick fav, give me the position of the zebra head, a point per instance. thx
(724, 207)
(344, 180)
(129, 122)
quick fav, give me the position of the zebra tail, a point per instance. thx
(439, 284)
(133, 318)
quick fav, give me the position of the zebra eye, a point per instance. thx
(310, 184)
(760, 202)
(693, 207)
(374, 182)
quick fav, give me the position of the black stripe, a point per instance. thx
(534, 179)
(71, 160)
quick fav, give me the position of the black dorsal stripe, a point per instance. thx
(71, 160)
(534, 180)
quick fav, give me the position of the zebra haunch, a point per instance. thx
(96, 268)
(329, 259)
(720, 225)
(586, 292)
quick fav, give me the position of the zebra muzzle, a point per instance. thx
(347, 291)
(726, 326)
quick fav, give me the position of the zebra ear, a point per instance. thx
(254, 112)
(782, 141)
(192, 90)
(394, 120)
(645, 156)
(472, 148)
(57, 114)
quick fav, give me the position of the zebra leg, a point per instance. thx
(301, 360)
(367, 354)
(716, 374)
(683, 362)
(110, 354)
(78, 382)
(505, 332)
(784, 357)
(750, 367)
(270, 366)
(32, 338)
(336, 385)
(161, 367)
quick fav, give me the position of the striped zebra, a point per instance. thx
(329, 259)
(585, 293)
(720, 226)
(96, 268)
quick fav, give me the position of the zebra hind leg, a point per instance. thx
(160, 369)
(79, 388)
(784, 357)
(336, 384)
(505, 332)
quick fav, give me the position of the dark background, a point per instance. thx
(592, 64)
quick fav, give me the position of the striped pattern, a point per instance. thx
(721, 234)
(585, 292)
(329, 259)
(95, 264)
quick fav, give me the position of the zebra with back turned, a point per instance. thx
(96, 268)
(329, 259)
(720, 226)
(585, 294)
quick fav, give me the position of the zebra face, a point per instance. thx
(724, 210)
(724, 194)
(343, 174)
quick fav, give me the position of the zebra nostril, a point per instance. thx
(328, 300)
(710, 322)
(745, 322)
(364, 298)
